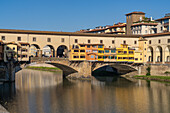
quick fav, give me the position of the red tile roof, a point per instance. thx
(168, 17)
(114, 26)
(135, 12)
(137, 24)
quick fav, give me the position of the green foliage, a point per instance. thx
(148, 71)
(154, 77)
(167, 72)
(46, 68)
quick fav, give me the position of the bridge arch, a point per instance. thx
(62, 51)
(49, 50)
(67, 70)
(167, 53)
(158, 53)
(116, 68)
(35, 50)
(150, 54)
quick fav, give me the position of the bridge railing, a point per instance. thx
(43, 59)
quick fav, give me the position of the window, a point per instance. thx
(149, 41)
(140, 58)
(100, 51)
(13, 48)
(88, 46)
(88, 41)
(145, 31)
(125, 57)
(82, 50)
(136, 58)
(76, 50)
(135, 42)
(24, 56)
(100, 57)
(75, 56)
(131, 58)
(125, 52)
(92, 56)
(113, 51)
(101, 41)
(94, 51)
(94, 46)
(145, 42)
(130, 52)
(7, 48)
(19, 38)
(124, 42)
(82, 56)
(168, 40)
(34, 39)
(159, 41)
(113, 41)
(62, 40)
(3, 37)
(100, 46)
(106, 51)
(119, 57)
(82, 45)
(76, 40)
(48, 39)
(161, 28)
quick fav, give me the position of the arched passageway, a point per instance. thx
(167, 54)
(150, 54)
(48, 51)
(62, 51)
(35, 50)
(158, 54)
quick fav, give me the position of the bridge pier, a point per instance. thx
(85, 70)
(10, 72)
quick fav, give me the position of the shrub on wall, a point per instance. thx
(148, 71)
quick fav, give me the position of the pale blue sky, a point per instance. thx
(73, 15)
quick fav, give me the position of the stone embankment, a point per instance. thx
(3, 110)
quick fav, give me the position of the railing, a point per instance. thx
(47, 59)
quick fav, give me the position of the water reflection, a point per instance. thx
(45, 92)
(32, 79)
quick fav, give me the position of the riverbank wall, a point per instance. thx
(155, 70)
(3, 110)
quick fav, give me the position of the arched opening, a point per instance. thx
(159, 54)
(167, 54)
(35, 50)
(48, 51)
(150, 54)
(62, 51)
(107, 70)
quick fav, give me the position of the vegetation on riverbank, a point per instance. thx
(52, 69)
(155, 78)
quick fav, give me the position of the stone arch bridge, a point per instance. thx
(85, 68)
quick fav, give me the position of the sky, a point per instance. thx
(73, 15)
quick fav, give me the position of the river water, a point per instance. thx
(47, 92)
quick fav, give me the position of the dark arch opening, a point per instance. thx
(159, 58)
(48, 51)
(62, 51)
(105, 71)
(150, 57)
